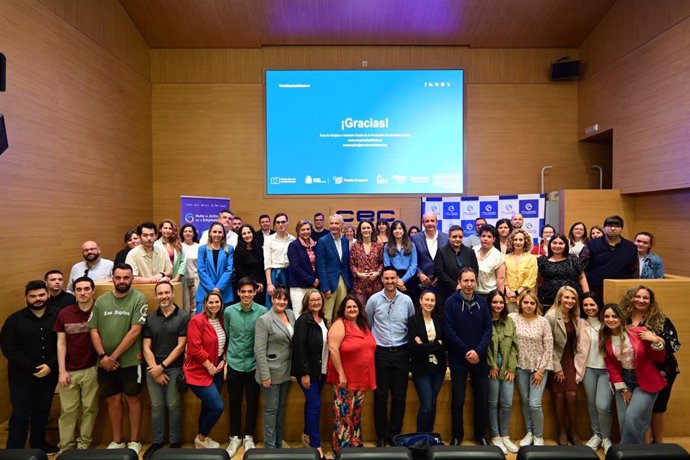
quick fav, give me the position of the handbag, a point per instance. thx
(181, 383)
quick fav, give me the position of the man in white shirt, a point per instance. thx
(427, 243)
(92, 266)
(275, 256)
(225, 217)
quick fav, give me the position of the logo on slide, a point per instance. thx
(337, 180)
(275, 180)
(189, 217)
(308, 180)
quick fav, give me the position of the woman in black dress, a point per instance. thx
(249, 261)
(557, 269)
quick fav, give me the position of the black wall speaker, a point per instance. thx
(301, 453)
(565, 69)
(99, 454)
(3, 71)
(465, 452)
(3, 135)
(374, 453)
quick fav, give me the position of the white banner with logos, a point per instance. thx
(456, 210)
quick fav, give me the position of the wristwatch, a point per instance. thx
(102, 355)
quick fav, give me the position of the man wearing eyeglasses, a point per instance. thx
(319, 229)
(92, 266)
(610, 257)
(388, 313)
(275, 256)
(225, 217)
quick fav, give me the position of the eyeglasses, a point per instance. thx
(281, 222)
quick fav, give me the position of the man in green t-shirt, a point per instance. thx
(116, 323)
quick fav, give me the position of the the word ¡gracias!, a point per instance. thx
(350, 123)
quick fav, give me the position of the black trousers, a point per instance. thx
(392, 368)
(30, 409)
(242, 386)
(479, 378)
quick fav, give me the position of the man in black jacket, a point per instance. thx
(30, 346)
(449, 261)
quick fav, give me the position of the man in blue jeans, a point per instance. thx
(30, 346)
(164, 339)
(468, 327)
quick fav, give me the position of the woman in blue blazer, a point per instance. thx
(215, 267)
(301, 271)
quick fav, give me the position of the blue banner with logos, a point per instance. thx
(201, 211)
(455, 210)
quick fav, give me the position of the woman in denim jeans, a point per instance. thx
(535, 342)
(204, 365)
(631, 356)
(502, 357)
(591, 370)
(427, 358)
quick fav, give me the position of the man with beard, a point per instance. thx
(92, 266)
(58, 298)
(30, 346)
(115, 325)
(319, 229)
(77, 364)
(150, 262)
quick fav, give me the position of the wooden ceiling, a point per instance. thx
(257, 23)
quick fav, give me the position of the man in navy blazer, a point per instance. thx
(333, 265)
(427, 243)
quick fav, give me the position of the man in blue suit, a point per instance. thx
(333, 265)
(427, 243)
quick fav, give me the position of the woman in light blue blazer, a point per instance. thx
(215, 267)
(273, 352)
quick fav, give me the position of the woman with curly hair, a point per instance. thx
(640, 308)
(521, 267)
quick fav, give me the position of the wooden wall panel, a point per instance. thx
(666, 215)
(592, 207)
(79, 162)
(247, 65)
(644, 96)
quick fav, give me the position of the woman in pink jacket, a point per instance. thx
(630, 355)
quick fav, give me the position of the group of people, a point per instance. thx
(360, 313)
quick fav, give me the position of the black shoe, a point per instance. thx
(50, 449)
(456, 442)
(152, 448)
(389, 442)
(381, 442)
(483, 442)
(176, 445)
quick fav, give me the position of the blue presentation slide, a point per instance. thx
(364, 132)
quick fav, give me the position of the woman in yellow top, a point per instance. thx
(521, 267)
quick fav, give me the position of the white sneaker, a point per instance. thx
(498, 442)
(233, 446)
(606, 444)
(135, 446)
(594, 442)
(527, 440)
(510, 447)
(248, 443)
(207, 443)
(538, 441)
(117, 445)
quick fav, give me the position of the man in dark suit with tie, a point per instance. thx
(333, 265)
(427, 244)
(449, 261)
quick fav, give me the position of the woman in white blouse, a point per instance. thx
(591, 370)
(535, 357)
(492, 267)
